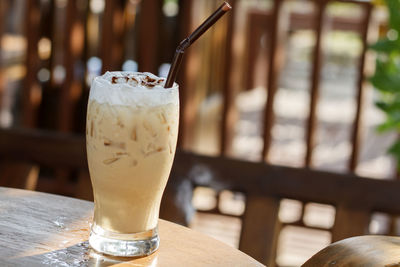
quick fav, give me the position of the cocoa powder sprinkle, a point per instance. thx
(147, 81)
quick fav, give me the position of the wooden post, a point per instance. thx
(25, 175)
(275, 64)
(112, 41)
(19, 175)
(315, 82)
(259, 22)
(149, 31)
(71, 89)
(186, 77)
(3, 8)
(350, 222)
(260, 229)
(356, 133)
(229, 88)
(32, 92)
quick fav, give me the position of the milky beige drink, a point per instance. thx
(132, 125)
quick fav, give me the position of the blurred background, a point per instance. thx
(281, 81)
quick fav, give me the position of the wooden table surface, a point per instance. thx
(360, 251)
(38, 229)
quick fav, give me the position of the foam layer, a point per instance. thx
(132, 88)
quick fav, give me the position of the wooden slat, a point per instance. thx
(56, 38)
(32, 91)
(350, 222)
(393, 228)
(18, 175)
(150, 19)
(320, 6)
(361, 83)
(229, 89)
(258, 23)
(360, 2)
(51, 33)
(107, 35)
(284, 182)
(302, 224)
(22, 152)
(305, 21)
(80, 121)
(44, 148)
(186, 78)
(71, 89)
(3, 9)
(112, 41)
(217, 211)
(275, 57)
(27, 150)
(260, 229)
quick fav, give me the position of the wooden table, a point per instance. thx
(360, 251)
(39, 229)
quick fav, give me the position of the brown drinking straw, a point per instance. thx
(180, 50)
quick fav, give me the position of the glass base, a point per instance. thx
(124, 245)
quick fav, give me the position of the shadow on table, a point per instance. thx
(82, 255)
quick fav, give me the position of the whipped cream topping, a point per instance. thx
(132, 88)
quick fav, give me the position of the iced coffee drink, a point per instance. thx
(131, 134)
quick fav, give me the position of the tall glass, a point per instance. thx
(131, 134)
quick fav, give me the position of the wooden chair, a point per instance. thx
(264, 185)
(359, 251)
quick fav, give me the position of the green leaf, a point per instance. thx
(395, 149)
(387, 46)
(383, 106)
(394, 10)
(386, 83)
(387, 75)
(389, 105)
(386, 126)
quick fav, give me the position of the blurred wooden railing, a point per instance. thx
(275, 24)
(264, 186)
